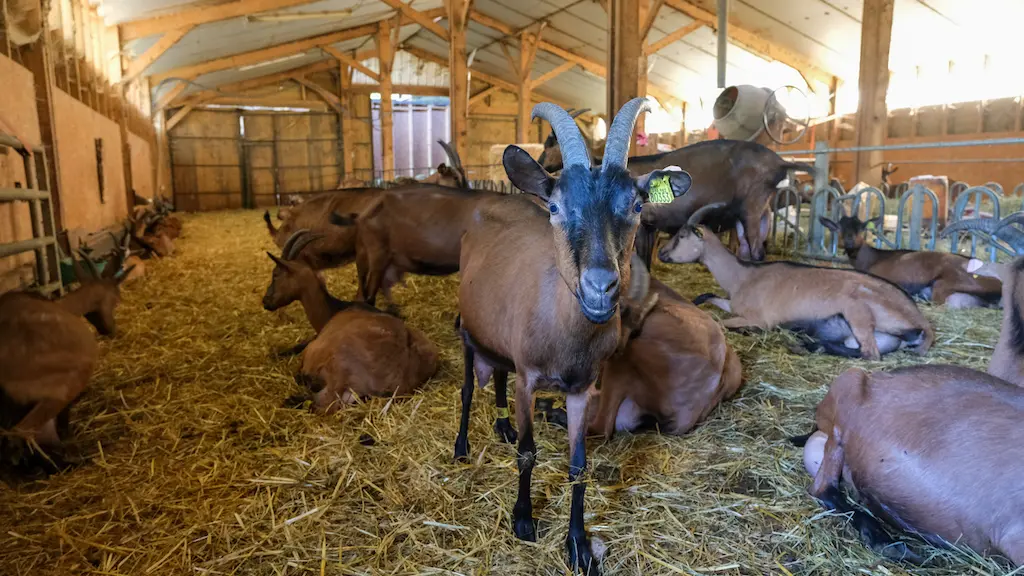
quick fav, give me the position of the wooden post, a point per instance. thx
(458, 74)
(833, 90)
(348, 134)
(37, 58)
(527, 53)
(625, 49)
(386, 56)
(876, 33)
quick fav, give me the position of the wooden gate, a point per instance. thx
(247, 159)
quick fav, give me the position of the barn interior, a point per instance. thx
(185, 454)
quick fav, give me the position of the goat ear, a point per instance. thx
(989, 269)
(346, 220)
(827, 223)
(678, 180)
(879, 223)
(525, 173)
(122, 274)
(442, 168)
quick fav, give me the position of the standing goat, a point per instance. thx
(675, 370)
(47, 352)
(359, 351)
(931, 450)
(936, 276)
(741, 176)
(539, 293)
(848, 313)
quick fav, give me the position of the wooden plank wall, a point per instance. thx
(205, 162)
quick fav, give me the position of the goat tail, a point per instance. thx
(801, 440)
(270, 223)
(704, 298)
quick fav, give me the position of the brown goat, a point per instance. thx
(936, 276)
(675, 371)
(927, 449)
(1007, 360)
(47, 352)
(359, 351)
(849, 313)
(539, 293)
(741, 176)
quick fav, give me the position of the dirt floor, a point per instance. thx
(195, 466)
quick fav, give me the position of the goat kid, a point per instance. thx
(47, 351)
(926, 448)
(846, 312)
(936, 276)
(359, 351)
(539, 293)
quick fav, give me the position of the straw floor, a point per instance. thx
(194, 466)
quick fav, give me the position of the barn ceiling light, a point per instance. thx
(297, 16)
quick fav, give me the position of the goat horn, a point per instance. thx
(1012, 236)
(983, 224)
(300, 243)
(89, 264)
(698, 216)
(286, 249)
(453, 156)
(570, 139)
(616, 150)
(639, 278)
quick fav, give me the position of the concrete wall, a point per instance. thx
(17, 114)
(76, 129)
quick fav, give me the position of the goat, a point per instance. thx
(359, 351)
(539, 291)
(47, 352)
(741, 175)
(849, 313)
(926, 448)
(936, 276)
(675, 370)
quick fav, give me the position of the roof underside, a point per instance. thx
(825, 32)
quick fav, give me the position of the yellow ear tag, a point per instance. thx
(975, 276)
(659, 191)
(870, 226)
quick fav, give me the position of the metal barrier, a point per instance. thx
(978, 192)
(44, 237)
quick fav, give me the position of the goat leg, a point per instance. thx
(576, 543)
(462, 440)
(502, 425)
(522, 512)
(40, 424)
(740, 324)
(862, 323)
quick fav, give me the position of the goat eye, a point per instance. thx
(553, 208)
(638, 207)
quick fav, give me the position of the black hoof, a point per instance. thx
(297, 401)
(462, 451)
(581, 559)
(505, 431)
(525, 529)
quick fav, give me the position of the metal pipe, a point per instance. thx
(12, 194)
(723, 40)
(920, 146)
(13, 248)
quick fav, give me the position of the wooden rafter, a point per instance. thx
(139, 65)
(266, 54)
(652, 13)
(753, 41)
(481, 95)
(552, 74)
(672, 37)
(200, 15)
(253, 83)
(418, 17)
(342, 57)
(178, 116)
(331, 99)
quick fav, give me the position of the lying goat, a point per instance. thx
(846, 312)
(740, 176)
(358, 351)
(47, 351)
(927, 448)
(539, 291)
(936, 276)
(674, 371)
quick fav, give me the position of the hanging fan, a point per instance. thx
(746, 112)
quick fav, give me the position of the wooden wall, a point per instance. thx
(18, 113)
(142, 165)
(76, 128)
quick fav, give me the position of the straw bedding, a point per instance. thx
(193, 465)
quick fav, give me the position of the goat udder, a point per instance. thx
(814, 452)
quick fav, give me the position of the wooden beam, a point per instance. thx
(342, 57)
(753, 41)
(178, 116)
(348, 132)
(527, 53)
(418, 17)
(430, 57)
(168, 97)
(481, 95)
(625, 47)
(672, 37)
(386, 58)
(552, 74)
(200, 15)
(320, 91)
(139, 65)
(265, 54)
(259, 82)
(458, 75)
(649, 13)
(875, 36)
(401, 89)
